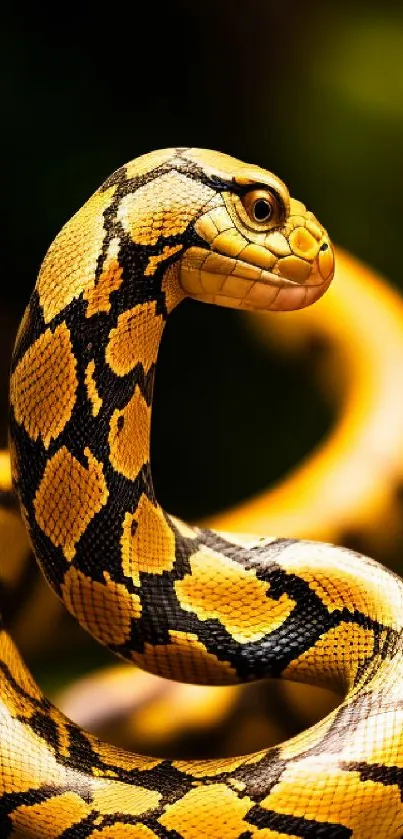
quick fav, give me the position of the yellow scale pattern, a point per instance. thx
(92, 390)
(44, 410)
(64, 485)
(129, 424)
(186, 659)
(164, 206)
(104, 609)
(220, 588)
(152, 545)
(133, 330)
(70, 263)
(98, 296)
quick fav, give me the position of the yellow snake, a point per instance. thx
(189, 604)
(358, 324)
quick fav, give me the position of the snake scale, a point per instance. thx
(189, 604)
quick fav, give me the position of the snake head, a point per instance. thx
(258, 248)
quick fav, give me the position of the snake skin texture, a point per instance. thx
(185, 603)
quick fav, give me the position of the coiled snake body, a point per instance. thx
(188, 604)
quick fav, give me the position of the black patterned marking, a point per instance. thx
(296, 825)
(377, 772)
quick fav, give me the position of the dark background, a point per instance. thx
(312, 91)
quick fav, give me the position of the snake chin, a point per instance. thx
(217, 278)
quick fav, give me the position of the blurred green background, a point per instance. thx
(312, 91)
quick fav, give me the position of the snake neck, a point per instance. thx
(81, 394)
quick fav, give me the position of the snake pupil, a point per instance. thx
(262, 210)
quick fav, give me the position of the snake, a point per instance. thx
(356, 332)
(187, 603)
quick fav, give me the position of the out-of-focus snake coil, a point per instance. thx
(186, 603)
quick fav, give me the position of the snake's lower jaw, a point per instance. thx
(291, 283)
(296, 295)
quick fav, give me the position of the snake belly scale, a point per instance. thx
(185, 603)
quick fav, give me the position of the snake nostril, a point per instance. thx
(324, 247)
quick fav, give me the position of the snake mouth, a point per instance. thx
(277, 280)
(218, 278)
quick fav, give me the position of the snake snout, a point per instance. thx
(325, 261)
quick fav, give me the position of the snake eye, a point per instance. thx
(261, 206)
